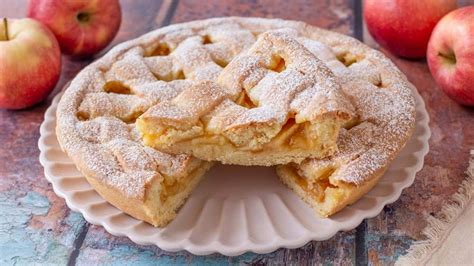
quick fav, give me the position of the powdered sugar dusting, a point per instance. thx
(386, 110)
(105, 144)
(280, 70)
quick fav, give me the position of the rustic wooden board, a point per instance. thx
(36, 226)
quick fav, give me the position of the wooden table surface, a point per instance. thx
(37, 226)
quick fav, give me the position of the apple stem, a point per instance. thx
(83, 17)
(5, 23)
(449, 58)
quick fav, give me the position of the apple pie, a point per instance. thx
(237, 90)
(272, 104)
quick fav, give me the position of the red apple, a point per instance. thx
(82, 27)
(404, 26)
(451, 55)
(30, 62)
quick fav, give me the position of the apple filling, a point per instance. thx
(162, 49)
(317, 185)
(116, 87)
(172, 186)
(170, 76)
(327, 196)
(302, 136)
(348, 58)
(245, 101)
(166, 194)
(277, 64)
(315, 136)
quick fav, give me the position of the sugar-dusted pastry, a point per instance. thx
(386, 119)
(363, 90)
(97, 113)
(273, 104)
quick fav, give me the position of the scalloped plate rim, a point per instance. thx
(215, 246)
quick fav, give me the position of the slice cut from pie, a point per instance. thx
(385, 121)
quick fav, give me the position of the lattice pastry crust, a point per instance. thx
(98, 111)
(273, 104)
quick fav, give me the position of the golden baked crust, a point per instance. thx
(385, 108)
(272, 104)
(97, 113)
(96, 116)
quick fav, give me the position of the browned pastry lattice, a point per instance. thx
(97, 113)
(276, 103)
